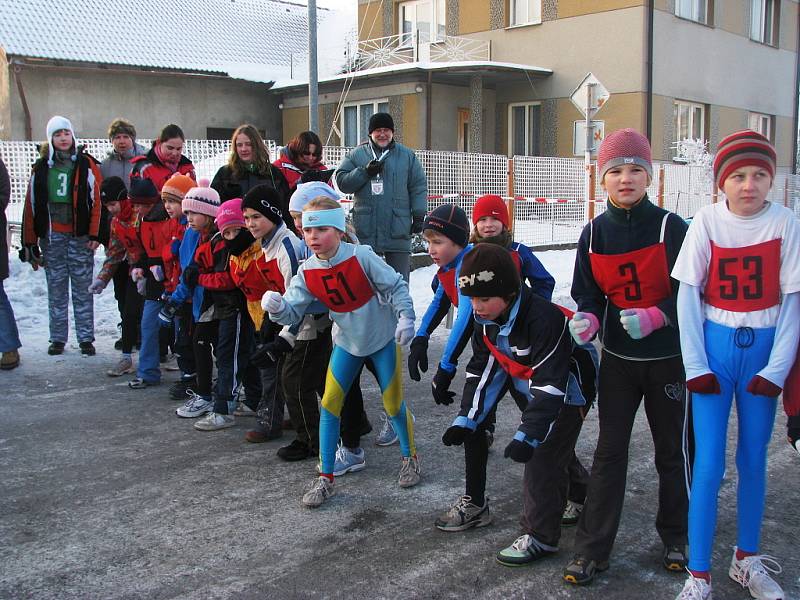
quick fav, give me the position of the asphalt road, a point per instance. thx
(107, 494)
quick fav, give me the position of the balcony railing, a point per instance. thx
(413, 47)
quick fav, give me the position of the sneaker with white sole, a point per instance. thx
(753, 573)
(123, 367)
(387, 435)
(195, 406)
(523, 551)
(409, 472)
(214, 422)
(572, 512)
(463, 515)
(695, 589)
(321, 490)
(348, 461)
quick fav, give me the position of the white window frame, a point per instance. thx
(693, 10)
(438, 10)
(524, 12)
(764, 21)
(360, 135)
(692, 108)
(760, 122)
(528, 141)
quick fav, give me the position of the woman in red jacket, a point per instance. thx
(301, 160)
(164, 159)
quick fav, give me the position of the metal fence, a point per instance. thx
(549, 202)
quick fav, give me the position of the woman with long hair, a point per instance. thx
(301, 160)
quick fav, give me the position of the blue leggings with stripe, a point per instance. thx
(735, 356)
(342, 370)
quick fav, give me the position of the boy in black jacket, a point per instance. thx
(521, 344)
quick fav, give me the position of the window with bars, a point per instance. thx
(694, 10)
(764, 20)
(689, 120)
(761, 123)
(524, 12)
(427, 17)
(524, 129)
(355, 120)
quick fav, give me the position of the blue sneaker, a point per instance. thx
(348, 461)
(387, 435)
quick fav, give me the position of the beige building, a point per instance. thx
(496, 75)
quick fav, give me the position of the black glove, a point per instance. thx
(418, 357)
(416, 225)
(31, 254)
(440, 387)
(190, 276)
(793, 432)
(267, 355)
(315, 175)
(374, 167)
(520, 452)
(455, 435)
(166, 314)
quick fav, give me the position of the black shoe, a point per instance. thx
(489, 438)
(178, 389)
(297, 450)
(87, 348)
(674, 558)
(118, 344)
(365, 425)
(55, 348)
(581, 570)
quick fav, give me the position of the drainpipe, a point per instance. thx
(25, 109)
(649, 75)
(428, 110)
(796, 98)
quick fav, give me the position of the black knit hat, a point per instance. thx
(143, 191)
(488, 270)
(451, 221)
(264, 199)
(113, 190)
(381, 121)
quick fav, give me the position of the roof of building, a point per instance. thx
(211, 36)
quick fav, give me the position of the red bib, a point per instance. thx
(342, 288)
(448, 281)
(744, 279)
(509, 365)
(636, 279)
(261, 275)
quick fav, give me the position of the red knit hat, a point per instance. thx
(624, 147)
(743, 149)
(490, 205)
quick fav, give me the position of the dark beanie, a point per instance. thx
(143, 191)
(488, 270)
(381, 121)
(113, 190)
(744, 148)
(449, 220)
(264, 199)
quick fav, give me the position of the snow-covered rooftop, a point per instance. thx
(236, 37)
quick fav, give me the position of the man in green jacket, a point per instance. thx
(390, 193)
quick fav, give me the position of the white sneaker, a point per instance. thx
(123, 367)
(572, 512)
(753, 573)
(387, 435)
(695, 589)
(214, 422)
(195, 406)
(409, 472)
(321, 490)
(348, 461)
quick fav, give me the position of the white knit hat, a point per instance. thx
(58, 123)
(201, 199)
(306, 192)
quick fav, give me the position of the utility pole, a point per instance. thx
(313, 84)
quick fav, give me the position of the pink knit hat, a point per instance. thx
(624, 147)
(230, 215)
(201, 199)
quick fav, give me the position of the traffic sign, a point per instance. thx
(579, 136)
(580, 99)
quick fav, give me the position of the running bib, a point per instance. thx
(342, 288)
(509, 365)
(636, 279)
(744, 279)
(448, 282)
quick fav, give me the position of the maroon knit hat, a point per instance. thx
(490, 205)
(624, 147)
(743, 149)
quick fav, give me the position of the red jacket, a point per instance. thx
(150, 167)
(292, 172)
(125, 228)
(172, 265)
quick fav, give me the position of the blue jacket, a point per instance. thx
(189, 243)
(384, 221)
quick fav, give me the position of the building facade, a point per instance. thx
(496, 75)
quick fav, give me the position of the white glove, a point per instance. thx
(137, 274)
(158, 272)
(97, 287)
(141, 286)
(404, 332)
(272, 302)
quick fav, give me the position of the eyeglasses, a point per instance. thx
(307, 153)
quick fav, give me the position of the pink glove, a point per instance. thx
(641, 322)
(137, 274)
(583, 326)
(158, 272)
